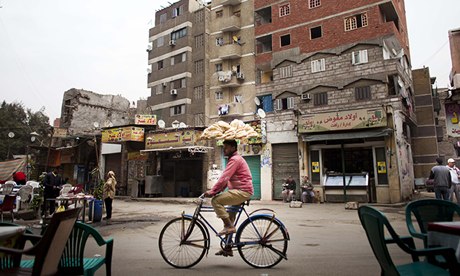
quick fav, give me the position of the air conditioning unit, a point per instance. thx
(149, 47)
(174, 92)
(172, 42)
(221, 78)
(240, 76)
(165, 84)
(149, 70)
(305, 97)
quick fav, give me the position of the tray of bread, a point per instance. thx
(237, 129)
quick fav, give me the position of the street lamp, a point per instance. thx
(11, 136)
(33, 138)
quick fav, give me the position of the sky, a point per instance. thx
(50, 46)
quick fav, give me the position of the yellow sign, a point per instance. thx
(145, 119)
(180, 138)
(60, 132)
(381, 167)
(123, 134)
(315, 167)
(352, 119)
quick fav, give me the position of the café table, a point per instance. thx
(68, 200)
(446, 234)
(9, 235)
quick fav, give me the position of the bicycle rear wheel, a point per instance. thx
(178, 251)
(262, 243)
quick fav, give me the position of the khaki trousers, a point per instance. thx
(230, 197)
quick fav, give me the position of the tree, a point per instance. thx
(15, 118)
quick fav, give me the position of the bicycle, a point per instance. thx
(261, 239)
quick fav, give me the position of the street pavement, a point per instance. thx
(326, 239)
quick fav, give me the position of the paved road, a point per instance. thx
(326, 239)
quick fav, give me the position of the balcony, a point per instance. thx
(235, 108)
(226, 79)
(227, 2)
(230, 51)
(230, 24)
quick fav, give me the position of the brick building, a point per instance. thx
(334, 79)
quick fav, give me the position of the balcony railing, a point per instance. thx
(230, 51)
(230, 24)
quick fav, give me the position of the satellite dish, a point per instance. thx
(161, 124)
(257, 101)
(182, 125)
(261, 113)
(96, 124)
(11, 134)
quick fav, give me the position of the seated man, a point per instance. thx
(308, 194)
(289, 189)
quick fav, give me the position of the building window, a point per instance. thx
(163, 18)
(219, 95)
(177, 110)
(356, 21)
(266, 103)
(283, 104)
(160, 65)
(199, 66)
(219, 41)
(178, 11)
(285, 9)
(199, 41)
(219, 67)
(316, 32)
(180, 83)
(359, 57)
(178, 34)
(285, 72)
(219, 13)
(159, 89)
(320, 99)
(285, 40)
(314, 3)
(198, 92)
(363, 93)
(178, 58)
(160, 41)
(318, 65)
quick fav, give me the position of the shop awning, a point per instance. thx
(347, 135)
(192, 149)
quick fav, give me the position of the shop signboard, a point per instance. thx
(145, 119)
(123, 134)
(60, 132)
(343, 120)
(180, 138)
(453, 119)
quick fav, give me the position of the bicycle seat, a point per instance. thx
(246, 202)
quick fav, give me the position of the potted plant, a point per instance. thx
(95, 206)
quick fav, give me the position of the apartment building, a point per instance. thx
(177, 56)
(335, 82)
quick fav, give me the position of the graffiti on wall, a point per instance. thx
(266, 158)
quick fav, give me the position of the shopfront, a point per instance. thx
(178, 156)
(346, 153)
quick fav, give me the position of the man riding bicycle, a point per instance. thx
(238, 179)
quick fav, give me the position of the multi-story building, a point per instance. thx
(335, 82)
(178, 60)
(454, 42)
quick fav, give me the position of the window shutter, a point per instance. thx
(290, 102)
(353, 59)
(323, 64)
(313, 66)
(277, 104)
(363, 56)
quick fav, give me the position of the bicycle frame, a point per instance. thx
(198, 218)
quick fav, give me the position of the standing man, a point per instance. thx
(52, 183)
(238, 179)
(455, 176)
(442, 180)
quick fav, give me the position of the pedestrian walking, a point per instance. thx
(442, 180)
(455, 176)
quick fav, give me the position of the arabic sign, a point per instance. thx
(145, 119)
(60, 132)
(180, 138)
(453, 119)
(123, 134)
(352, 119)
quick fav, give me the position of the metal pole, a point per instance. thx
(49, 149)
(343, 173)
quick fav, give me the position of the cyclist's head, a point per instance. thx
(230, 146)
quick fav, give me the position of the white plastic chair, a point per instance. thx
(7, 188)
(25, 195)
(65, 189)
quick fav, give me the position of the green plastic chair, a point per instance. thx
(374, 223)
(426, 211)
(73, 261)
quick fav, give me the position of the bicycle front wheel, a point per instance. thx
(181, 244)
(262, 243)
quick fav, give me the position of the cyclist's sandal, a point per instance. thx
(227, 231)
(225, 253)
